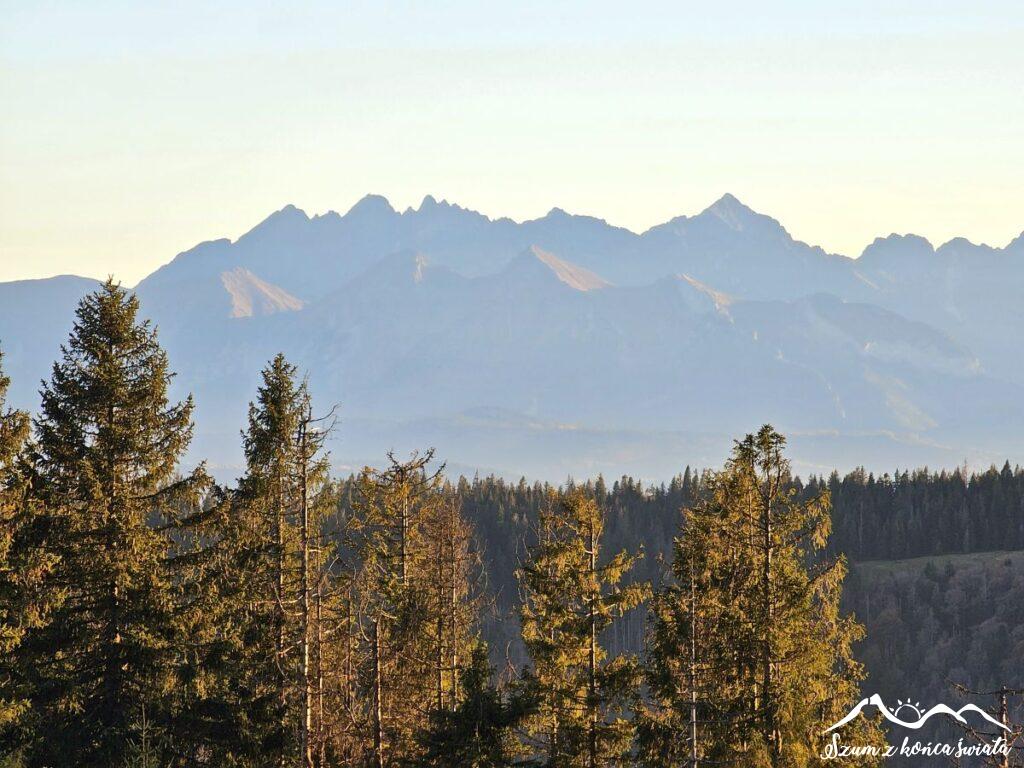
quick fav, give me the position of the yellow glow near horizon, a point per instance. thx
(130, 135)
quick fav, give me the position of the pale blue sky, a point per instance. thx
(131, 131)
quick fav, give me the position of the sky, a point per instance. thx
(132, 131)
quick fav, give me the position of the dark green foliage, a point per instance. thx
(109, 443)
(257, 573)
(24, 604)
(573, 592)
(147, 619)
(252, 635)
(750, 658)
(480, 731)
(913, 514)
(932, 622)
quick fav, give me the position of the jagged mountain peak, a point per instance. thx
(561, 216)
(430, 203)
(727, 218)
(434, 311)
(280, 224)
(288, 213)
(902, 247)
(908, 239)
(371, 205)
(962, 247)
(733, 212)
(434, 213)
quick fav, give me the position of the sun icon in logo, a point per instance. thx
(914, 707)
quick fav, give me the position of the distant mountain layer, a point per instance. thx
(565, 345)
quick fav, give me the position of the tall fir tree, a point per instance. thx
(109, 443)
(264, 582)
(750, 657)
(572, 593)
(265, 504)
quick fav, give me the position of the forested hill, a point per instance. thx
(936, 568)
(907, 514)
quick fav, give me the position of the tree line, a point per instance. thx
(151, 617)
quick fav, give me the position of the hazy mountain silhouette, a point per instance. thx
(565, 344)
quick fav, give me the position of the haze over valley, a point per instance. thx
(564, 345)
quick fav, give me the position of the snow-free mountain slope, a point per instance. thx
(603, 349)
(570, 274)
(252, 296)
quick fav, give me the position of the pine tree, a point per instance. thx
(109, 443)
(571, 596)
(750, 657)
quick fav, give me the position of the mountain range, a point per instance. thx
(565, 345)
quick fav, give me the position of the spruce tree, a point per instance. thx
(109, 443)
(265, 503)
(572, 594)
(750, 657)
(265, 584)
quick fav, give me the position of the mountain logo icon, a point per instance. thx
(917, 717)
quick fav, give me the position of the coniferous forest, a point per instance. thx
(150, 616)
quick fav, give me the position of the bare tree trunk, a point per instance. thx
(439, 575)
(455, 624)
(553, 747)
(592, 683)
(348, 651)
(306, 725)
(112, 682)
(693, 671)
(378, 726)
(403, 535)
(771, 724)
(282, 692)
(320, 728)
(1004, 718)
